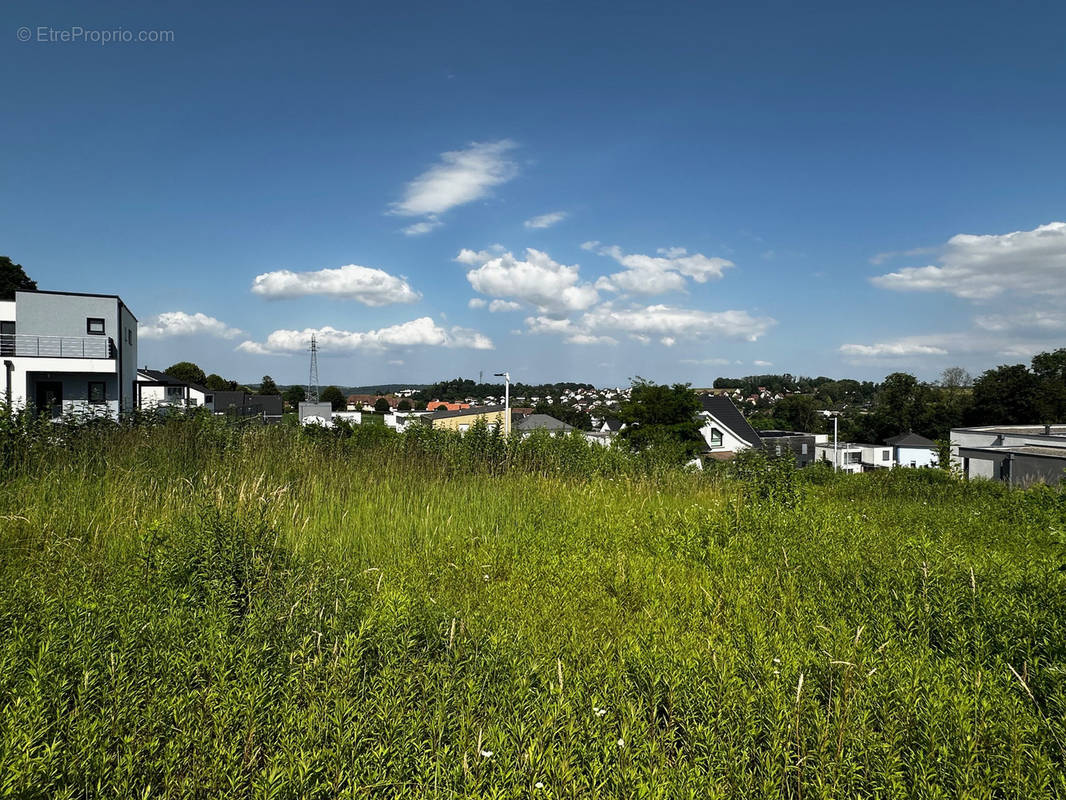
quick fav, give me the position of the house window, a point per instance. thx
(886, 455)
(174, 394)
(7, 338)
(129, 335)
(97, 392)
(94, 326)
(803, 449)
(716, 437)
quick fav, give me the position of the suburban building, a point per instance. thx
(724, 428)
(242, 404)
(846, 456)
(541, 422)
(69, 353)
(433, 405)
(912, 450)
(156, 389)
(461, 419)
(1020, 455)
(782, 443)
(854, 457)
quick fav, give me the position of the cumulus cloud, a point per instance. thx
(418, 332)
(539, 281)
(460, 177)
(179, 323)
(476, 302)
(369, 286)
(657, 274)
(1027, 263)
(504, 305)
(545, 220)
(1026, 319)
(668, 324)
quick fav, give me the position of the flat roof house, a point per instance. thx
(156, 389)
(462, 419)
(1020, 455)
(69, 353)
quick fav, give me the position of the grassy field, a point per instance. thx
(189, 610)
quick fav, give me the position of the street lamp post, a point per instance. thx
(506, 400)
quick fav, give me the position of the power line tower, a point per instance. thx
(312, 378)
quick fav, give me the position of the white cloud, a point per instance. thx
(369, 286)
(665, 272)
(179, 323)
(644, 323)
(504, 305)
(551, 287)
(418, 332)
(763, 363)
(881, 258)
(545, 220)
(900, 349)
(1028, 263)
(707, 361)
(476, 302)
(1026, 319)
(461, 176)
(422, 228)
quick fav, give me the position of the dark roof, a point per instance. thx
(613, 424)
(910, 440)
(544, 422)
(722, 409)
(782, 434)
(170, 380)
(270, 404)
(466, 412)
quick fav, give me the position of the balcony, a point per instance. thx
(19, 344)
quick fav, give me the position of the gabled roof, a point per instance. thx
(910, 439)
(613, 424)
(721, 409)
(544, 422)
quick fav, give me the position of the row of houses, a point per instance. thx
(71, 353)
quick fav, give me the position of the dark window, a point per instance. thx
(97, 392)
(129, 335)
(886, 455)
(7, 338)
(716, 437)
(94, 326)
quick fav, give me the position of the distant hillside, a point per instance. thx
(373, 388)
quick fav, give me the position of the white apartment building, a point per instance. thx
(68, 353)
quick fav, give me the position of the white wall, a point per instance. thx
(921, 456)
(730, 442)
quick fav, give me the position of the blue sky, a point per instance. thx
(569, 191)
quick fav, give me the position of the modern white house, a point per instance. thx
(68, 353)
(724, 429)
(912, 450)
(156, 389)
(846, 456)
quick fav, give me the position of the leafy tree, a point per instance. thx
(1006, 395)
(216, 383)
(267, 386)
(13, 279)
(662, 417)
(295, 395)
(1050, 372)
(381, 406)
(186, 371)
(403, 405)
(333, 396)
(955, 378)
(799, 412)
(564, 413)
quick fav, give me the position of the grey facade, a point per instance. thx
(781, 443)
(69, 353)
(1021, 455)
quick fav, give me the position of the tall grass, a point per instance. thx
(195, 610)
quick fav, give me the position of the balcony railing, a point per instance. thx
(20, 344)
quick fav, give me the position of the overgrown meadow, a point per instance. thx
(191, 609)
